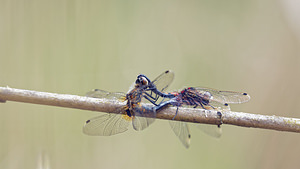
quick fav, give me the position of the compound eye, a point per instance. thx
(138, 81)
(144, 81)
(141, 81)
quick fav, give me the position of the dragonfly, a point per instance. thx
(155, 93)
(133, 112)
(206, 98)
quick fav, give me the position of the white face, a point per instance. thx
(142, 81)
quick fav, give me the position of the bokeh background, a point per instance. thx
(73, 46)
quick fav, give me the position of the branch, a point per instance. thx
(186, 114)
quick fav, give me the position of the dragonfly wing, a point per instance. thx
(97, 93)
(144, 116)
(210, 130)
(140, 123)
(106, 125)
(182, 131)
(213, 105)
(225, 96)
(217, 106)
(163, 81)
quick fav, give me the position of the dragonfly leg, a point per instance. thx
(166, 103)
(159, 93)
(152, 101)
(162, 105)
(152, 90)
(201, 104)
(175, 113)
(211, 106)
(150, 96)
(156, 95)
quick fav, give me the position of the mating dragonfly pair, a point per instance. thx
(155, 92)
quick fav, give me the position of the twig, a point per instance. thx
(186, 114)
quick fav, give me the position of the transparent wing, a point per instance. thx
(144, 116)
(163, 81)
(211, 130)
(97, 93)
(216, 105)
(140, 123)
(225, 96)
(107, 124)
(212, 105)
(182, 131)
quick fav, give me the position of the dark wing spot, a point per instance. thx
(245, 94)
(96, 89)
(167, 71)
(189, 136)
(88, 121)
(226, 104)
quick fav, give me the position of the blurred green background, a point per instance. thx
(73, 46)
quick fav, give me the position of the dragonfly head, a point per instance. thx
(142, 80)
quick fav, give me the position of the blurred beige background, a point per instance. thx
(73, 46)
